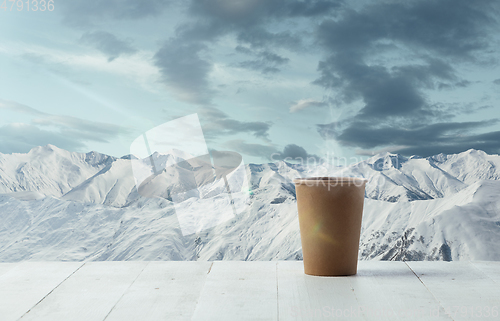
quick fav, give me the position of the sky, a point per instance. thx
(269, 79)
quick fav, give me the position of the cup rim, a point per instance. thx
(330, 180)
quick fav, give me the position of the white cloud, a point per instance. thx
(306, 103)
(20, 108)
(136, 67)
(63, 131)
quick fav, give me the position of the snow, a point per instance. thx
(25, 196)
(60, 205)
(48, 170)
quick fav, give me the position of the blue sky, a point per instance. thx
(289, 78)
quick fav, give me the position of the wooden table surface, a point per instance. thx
(234, 290)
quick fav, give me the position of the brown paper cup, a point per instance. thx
(330, 211)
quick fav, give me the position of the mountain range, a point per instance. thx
(61, 205)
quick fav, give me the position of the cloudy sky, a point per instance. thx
(266, 77)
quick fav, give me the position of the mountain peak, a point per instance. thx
(474, 152)
(129, 156)
(49, 148)
(440, 158)
(383, 161)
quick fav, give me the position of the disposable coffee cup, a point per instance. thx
(330, 212)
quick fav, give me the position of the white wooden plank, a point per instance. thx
(490, 268)
(89, 294)
(391, 291)
(24, 285)
(462, 289)
(6, 267)
(239, 291)
(380, 291)
(163, 291)
(305, 297)
(246, 291)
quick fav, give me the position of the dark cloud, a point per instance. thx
(267, 61)
(448, 137)
(216, 123)
(108, 44)
(422, 74)
(454, 28)
(312, 8)
(184, 71)
(249, 13)
(84, 12)
(290, 153)
(250, 20)
(259, 37)
(294, 153)
(435, 36)
(386, 92)
(459, 84)
(488, 144)
(256, 150)
(66, 132)
(273, 58)
(496, 81)
(232, 126)
(446, 111)
(446, 29)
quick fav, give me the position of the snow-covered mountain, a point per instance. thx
(49, 170)
(60, 205)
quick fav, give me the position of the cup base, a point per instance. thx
(330, 272)
(329, 275)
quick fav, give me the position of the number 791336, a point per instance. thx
(27, 5)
